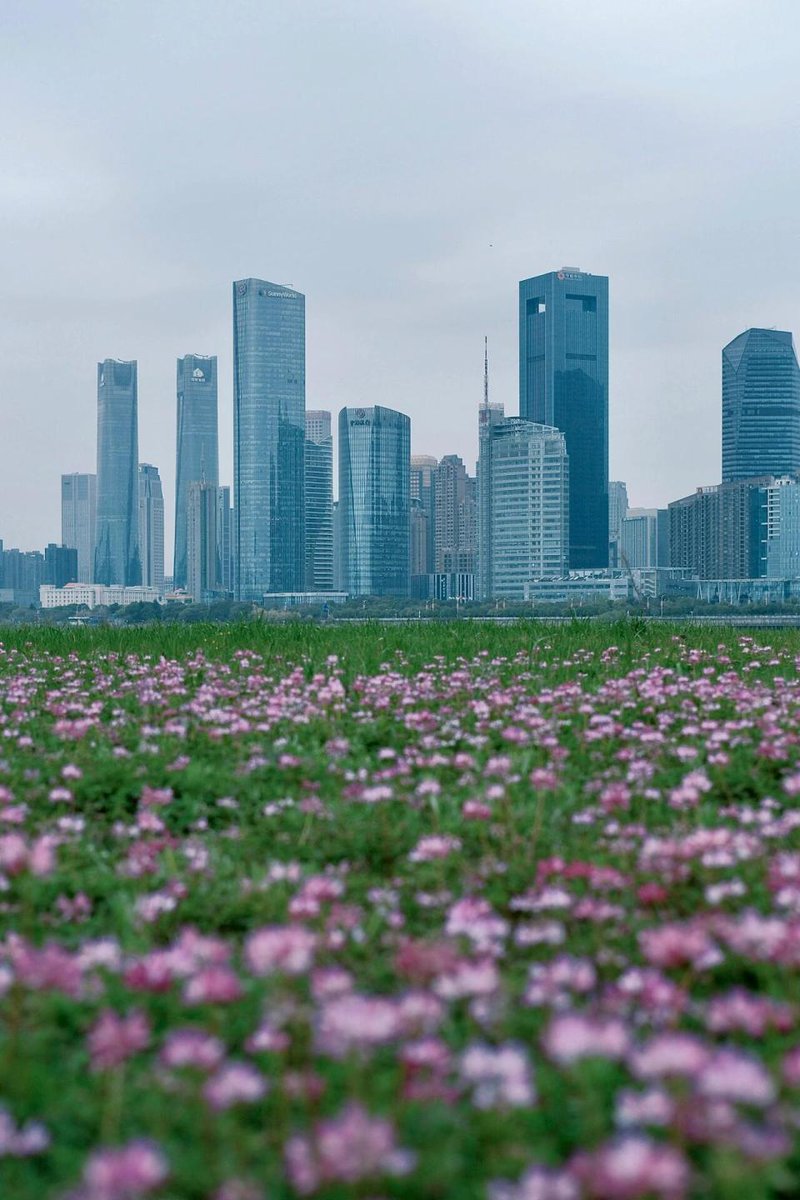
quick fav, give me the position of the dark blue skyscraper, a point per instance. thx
(268, 437)
(116, 558)
(374, 501)
(563, 382)
(197, 443)
(760, 405)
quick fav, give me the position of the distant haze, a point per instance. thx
(404, 166)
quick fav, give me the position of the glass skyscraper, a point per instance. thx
(269, 360)
(563, 382)
(374, 501)
(319, 501)
(760, 405)
(197, 443)
(78, 512)
(117, 528)
(151, 526)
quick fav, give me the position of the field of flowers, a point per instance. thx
(445, 912)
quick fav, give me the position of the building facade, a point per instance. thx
(374, 501)
(617, 512)
(760, 405)
(456, 518)
(319, 501)
(78, 520)
(779, 524)
(529, 506)
(423, 490)
(151, 526)
(116, 556)
(197, 443)
(563, 381)
(208, 560)
(489, 416)
(268, 438)
(644, 539)
(60, 565)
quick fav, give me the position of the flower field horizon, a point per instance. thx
(431, 912)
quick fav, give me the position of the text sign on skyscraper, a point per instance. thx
(563, 382)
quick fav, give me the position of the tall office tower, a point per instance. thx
(224, 540)
(197, 457)
(423, 488)
(419, 540)
(269, 389)
(319, 502)
(760, 405)
(529, 505)
(374, 499)
(617, 512)
(780, 530)
(644, 539)
(207, 542)
(151, 526)
(78, 519)
(489, 417)
(116, 558)
(455, 517)
(563, 381)
(60, 565)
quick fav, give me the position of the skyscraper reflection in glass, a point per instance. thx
(268, 437)
(117, 525)
(374, 501)
(563, 382)
(197, 458)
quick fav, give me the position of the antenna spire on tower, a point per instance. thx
(486, 371)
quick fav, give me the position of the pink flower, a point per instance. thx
(428, 849)
(356, 1022)
(348, 1148)
(213, 985)
(738, 1077)
(114, 1039)
(573, 1036)
(126, 1173)
(537, 1183)
(500, 1076)
(631, 1168)
(192, 1048)
(283, 949)
(234, 1083)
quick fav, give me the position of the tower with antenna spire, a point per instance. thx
(488, 417)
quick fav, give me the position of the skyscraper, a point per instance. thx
(489, 416)
(563, 382)
(197, 455)
(528, 506)
(151, 526)
(268, 438)
(423, 489)
(319, 502)
(617, 512)
(374, 499)
(208, 542)
(760, 405)
(455, 517)
(117, 530)
(78, 520)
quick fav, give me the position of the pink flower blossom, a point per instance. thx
(114, 1039)
(348, 1148)
(283, 949)
(234, 1083)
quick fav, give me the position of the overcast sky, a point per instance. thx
(404, 164)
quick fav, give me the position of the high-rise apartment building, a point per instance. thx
(489, 417)
(760, 405)
(151, 526)
(529, 506)
(455, 522)
(374, 500)
(78, 520)
(319, 501)
(644, 539)
(423, 489)
(197, 457)
(208, 551)
(419, 543)
(268, 438)
(617, 512)
(117, 530)
(780, 529)
(563, 382)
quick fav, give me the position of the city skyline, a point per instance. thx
(121, 242)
